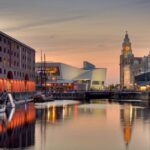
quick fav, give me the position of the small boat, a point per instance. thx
(41, 98)
(2, 108)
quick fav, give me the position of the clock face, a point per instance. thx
(127, 48)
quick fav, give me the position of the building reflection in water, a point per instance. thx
(57, 114)
(17, 127)
(51, 116)
(128, 115)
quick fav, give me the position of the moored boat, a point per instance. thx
(41, 98)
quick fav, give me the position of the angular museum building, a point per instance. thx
(17, 65)
(60, 75)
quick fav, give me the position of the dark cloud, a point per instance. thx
(43, 23)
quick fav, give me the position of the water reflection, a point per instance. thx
(55, 114)
(128, 115)
(17, 127)
(103, 114)
(98, 125)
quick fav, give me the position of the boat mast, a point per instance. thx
(45, 71)
(41, 69)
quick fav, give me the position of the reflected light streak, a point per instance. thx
(64, 113)
(19, 118)
(75, 111)
(53, 114)
(131, 113)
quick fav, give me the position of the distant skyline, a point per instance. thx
(71, 31)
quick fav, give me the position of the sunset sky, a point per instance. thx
(71, 31)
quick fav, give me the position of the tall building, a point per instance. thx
(17, 65)
(126, 58)
(130, 66)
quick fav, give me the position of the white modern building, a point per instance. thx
(85, 78)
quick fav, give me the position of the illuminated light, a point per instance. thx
(143, 88)
(53, 78)
(16, 85)
(64, 84)
(48, 115)
(64, 111)
(54, 70)
(70, 84)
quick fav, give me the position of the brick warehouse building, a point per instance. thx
(17, 65)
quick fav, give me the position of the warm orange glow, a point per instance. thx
(53, 114)
(1, 85)
(143, 88)
(53, 78)
(20, 117)
(127, 134)
(17, 85)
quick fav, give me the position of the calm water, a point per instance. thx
(64, 125)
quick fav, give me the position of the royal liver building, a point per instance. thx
(131, 66)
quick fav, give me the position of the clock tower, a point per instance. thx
(126, 63)
(126, 46)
